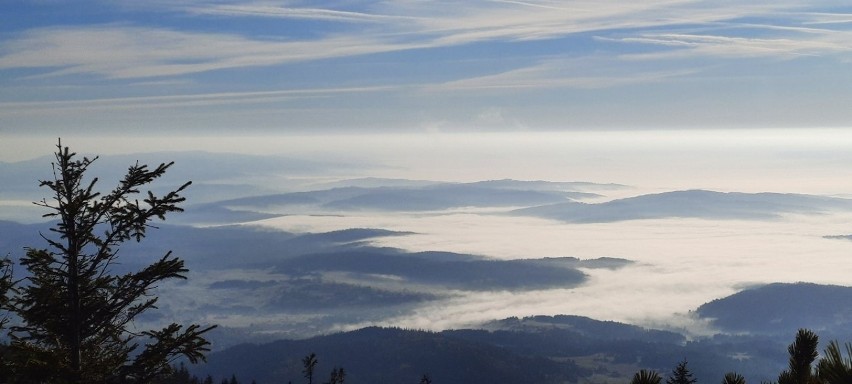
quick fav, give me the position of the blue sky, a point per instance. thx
(220, 67)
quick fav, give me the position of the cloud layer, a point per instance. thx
(395, 65)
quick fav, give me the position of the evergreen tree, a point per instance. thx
(73, 312)
(803, 352)
(338, 376)
(179, 375)
(310, 363)
(646, 377)
(7, 287)
(833, 368)
(681, 375)
(733, 378)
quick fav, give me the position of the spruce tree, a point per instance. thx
(681, 375)
(310, 363)
(7, 287)
(74, 314)
(338, 376)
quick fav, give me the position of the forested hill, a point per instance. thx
(776, 308)
(539, 349)
(757, 325)
(389, 355)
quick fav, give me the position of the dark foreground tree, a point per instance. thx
(733, 378)
(646, 377)
(7, 286)
(74, 315)
(338, 376)
(309, 363)
(681, 375)
(6, 289)
(803, 352)
(833, 368)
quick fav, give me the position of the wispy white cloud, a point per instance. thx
(828, 18)
(529, 20)
(590, 73)
(670, 44)
(274, 11)
(120, 52)
(685, 45)
(177, 101)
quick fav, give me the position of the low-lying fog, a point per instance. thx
(681, 263)
(684, 252)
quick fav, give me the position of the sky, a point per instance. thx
(216, 67)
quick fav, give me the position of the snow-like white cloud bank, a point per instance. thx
(680, 263)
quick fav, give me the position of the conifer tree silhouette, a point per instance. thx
(75, 315)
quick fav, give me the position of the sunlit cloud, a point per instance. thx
(267, 10)
(481, 50)
(120, 52)
(686, 45)
(564, 73)
(179, 101)
(828, 18)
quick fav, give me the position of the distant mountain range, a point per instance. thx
(537, 185)
(689, 204)
(227, 174)
(222, 181)
(231, 188)
(399, 195)
(538, 199)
